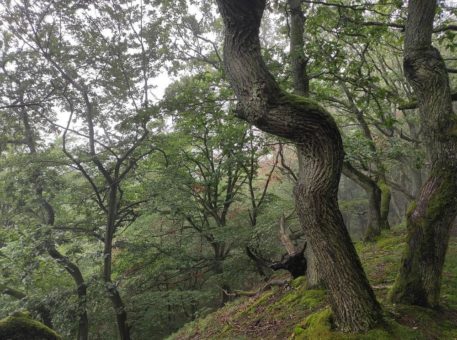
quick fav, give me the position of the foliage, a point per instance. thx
(130, 98)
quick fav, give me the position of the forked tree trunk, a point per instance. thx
(429, 220)
(262, 103)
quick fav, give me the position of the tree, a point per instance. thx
(430, 218)
(27, 134)
(212, 160)
(264, 104)
(300, 79)
(99, 58)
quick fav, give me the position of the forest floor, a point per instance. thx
(293, 312)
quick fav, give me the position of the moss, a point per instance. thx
(389, 243)
(304, 298)
(262, 299)
(444, 197)
(317, 326)
(307, 103)
(409, 211)
(410, 286)
(390, 330)
(297, 313)
(21, 326)
(298, 330)
(299, 281)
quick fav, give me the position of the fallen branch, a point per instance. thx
(267, 286)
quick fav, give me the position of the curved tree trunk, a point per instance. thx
(262, 103)
(73, 270)
(429, 220)
(300, 79)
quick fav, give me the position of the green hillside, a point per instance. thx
(290, 311)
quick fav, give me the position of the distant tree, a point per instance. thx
(212, 161)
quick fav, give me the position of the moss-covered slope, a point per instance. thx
(293, 312)
(22, 327)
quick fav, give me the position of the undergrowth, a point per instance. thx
(295, 312)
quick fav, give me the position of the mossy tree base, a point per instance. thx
(428, 224)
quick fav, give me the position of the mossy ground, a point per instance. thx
(293, 312)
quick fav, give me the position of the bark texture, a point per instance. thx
(299, 61)
(430, 219)
(262, 103)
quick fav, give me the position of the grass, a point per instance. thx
(294, 312)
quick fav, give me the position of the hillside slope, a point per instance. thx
(293, 312)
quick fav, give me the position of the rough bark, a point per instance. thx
(264, 104)
(299, 61)
(429, 220)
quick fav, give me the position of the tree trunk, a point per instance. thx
(49, 219)
(262, 103)
(386, 197)
(73, 270)
(300, 79)
(111, 288)
(429, 220)
(375, 221)
(218, 269)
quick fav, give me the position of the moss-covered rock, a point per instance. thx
(21, 326)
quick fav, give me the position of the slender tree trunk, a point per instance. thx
(429, 220)
(375, 221)
(262, 103)
(300, 79)
(218, 269)
(73, 270)
(49, 219)
(378, 191)
(386, 197)
(111, 288)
